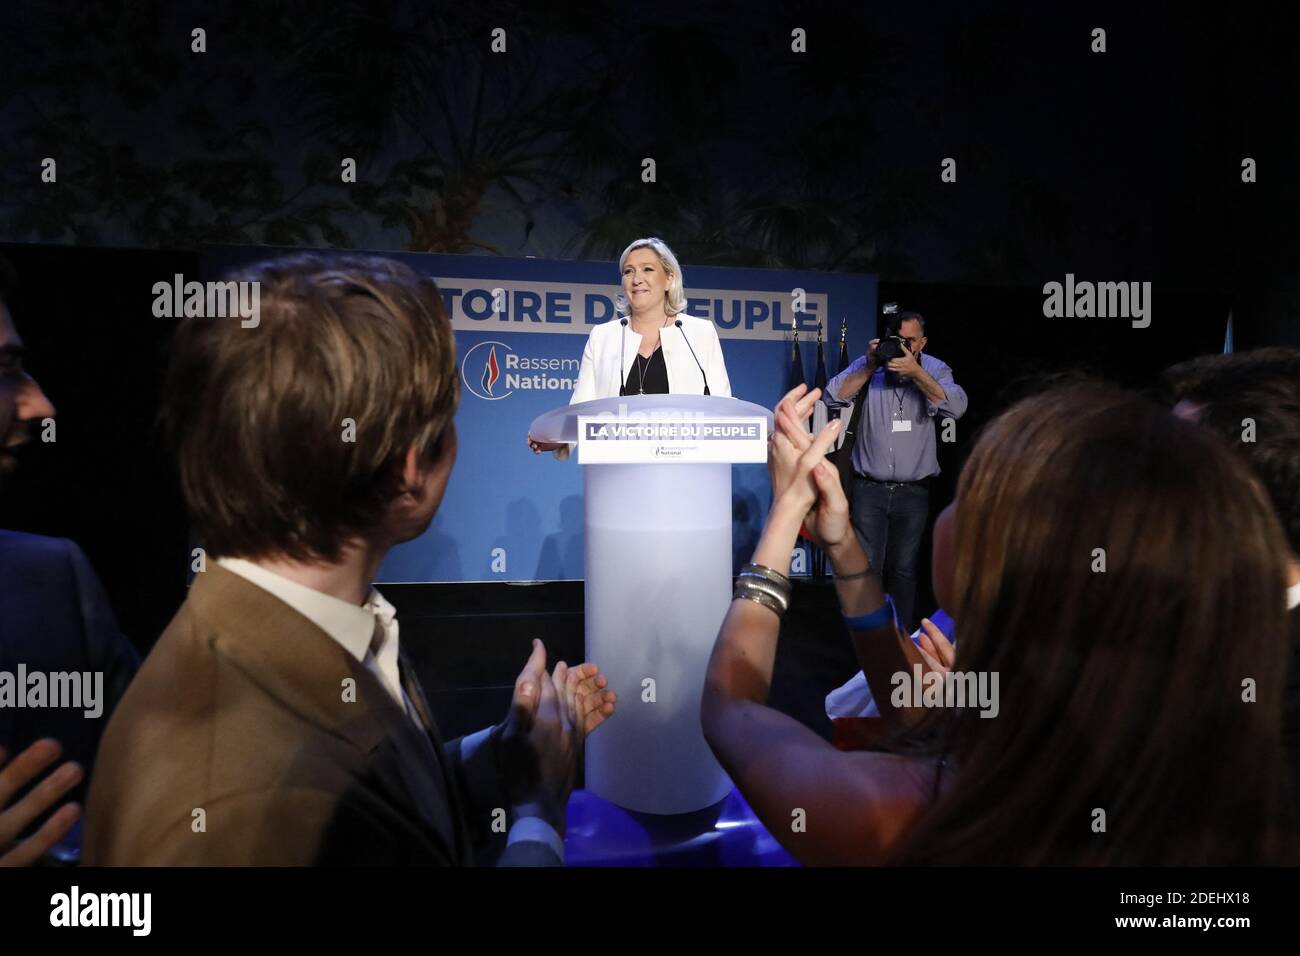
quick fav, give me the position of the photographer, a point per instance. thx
(898, 391)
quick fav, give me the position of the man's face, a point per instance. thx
(435, 478)
(427, 482)
(911, 334)
(22, 403)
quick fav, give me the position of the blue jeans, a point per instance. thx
(890, 521)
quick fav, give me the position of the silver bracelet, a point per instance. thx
(763, 571)
(759, 597)
(778, 593)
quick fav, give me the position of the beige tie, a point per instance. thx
(371, 663)
(376, 639)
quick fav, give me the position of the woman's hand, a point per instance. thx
(826, 520)
(812, 489)
(936, 648)
(799, 403)
(540, 446)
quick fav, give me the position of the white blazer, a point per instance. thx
(601, 375)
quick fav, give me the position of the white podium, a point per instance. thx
(657, 477)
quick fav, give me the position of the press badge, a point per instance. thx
(902, 425)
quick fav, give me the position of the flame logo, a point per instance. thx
(491, 372)
(485, 375)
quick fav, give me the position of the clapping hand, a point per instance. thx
(582, 689)
(782, 460)
(827, 520)
(536, 745)
(541, 740)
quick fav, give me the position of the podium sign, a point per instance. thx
(657, 505)
(605, 441)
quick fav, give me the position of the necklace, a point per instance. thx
(640, 370)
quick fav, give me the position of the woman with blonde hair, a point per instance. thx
(653, 347)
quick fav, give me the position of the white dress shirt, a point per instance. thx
(351, 625)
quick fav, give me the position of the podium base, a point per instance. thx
(600, 833)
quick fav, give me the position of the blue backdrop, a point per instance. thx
(521, 325)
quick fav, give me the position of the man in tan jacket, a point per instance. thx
(276, 721)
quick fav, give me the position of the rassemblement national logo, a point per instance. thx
(493, 371)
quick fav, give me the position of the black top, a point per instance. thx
(647, 375)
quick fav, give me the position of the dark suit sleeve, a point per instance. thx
(291, 826)
(472, 760)
(54, 616)
(107, 650)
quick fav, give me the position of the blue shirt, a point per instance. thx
(884, 452)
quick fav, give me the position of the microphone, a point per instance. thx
(678, 323)
(622, 334)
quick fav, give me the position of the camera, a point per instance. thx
(890, 348)
(891, 343)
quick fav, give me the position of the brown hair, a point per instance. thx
(257, 415)
(1120, 690)
(1262, 385)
